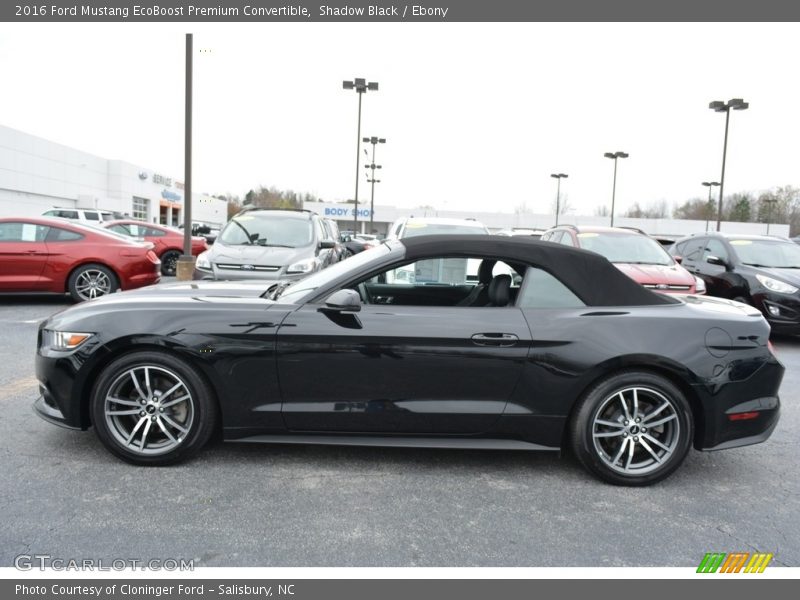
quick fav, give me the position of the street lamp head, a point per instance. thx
(373, 85)
(621, 154)
(738, 104)
(609, 155)
(718, 106)
(347, 85)
(365, 140)
(381, 140)
(558, 175)
(710, 183)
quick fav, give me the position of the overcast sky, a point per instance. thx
(477, 116)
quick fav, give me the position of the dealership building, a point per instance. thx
(37, 174)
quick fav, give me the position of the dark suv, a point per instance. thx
(762, 271)
(261, 243)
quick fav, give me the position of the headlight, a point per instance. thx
(63, 340)
(699, 285)
(202, 261)
(776, 286)
(304, 266)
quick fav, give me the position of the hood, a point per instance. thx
(655, 274)
(267, 256)
(220, 289)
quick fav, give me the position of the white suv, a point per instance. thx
(90, 215)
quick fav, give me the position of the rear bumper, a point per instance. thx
(755, 397)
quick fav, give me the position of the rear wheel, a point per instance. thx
(169, 262)
(151, 408)
(633, 428)
(88, 282)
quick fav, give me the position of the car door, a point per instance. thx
(404, 369)
(23, 256)
(718, 278)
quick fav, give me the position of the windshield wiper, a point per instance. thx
(249, 241)
(276, 290)
(266, 245)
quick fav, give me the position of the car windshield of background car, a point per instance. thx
(415, 229)
(763, 253)
(267, 231)
(625, 248)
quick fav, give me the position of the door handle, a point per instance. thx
(494, 339)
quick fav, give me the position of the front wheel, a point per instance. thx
(633, 428)
(152, 408)
(169, 262)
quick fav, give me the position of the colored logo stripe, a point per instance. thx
(758, 563)
(711, 562)
(734, 562)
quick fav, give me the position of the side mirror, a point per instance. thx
(343, 301)
(678, 259)
(715, 260)
(326, 244)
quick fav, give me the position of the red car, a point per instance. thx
(634, 253)
(42, 254)
(168, 242)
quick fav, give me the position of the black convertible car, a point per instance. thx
(438, 341)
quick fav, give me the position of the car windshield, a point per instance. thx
(625, 248)
(267, 230)
(415, 229)
(321, 278)
(767, 253)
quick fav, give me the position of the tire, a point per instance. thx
(142, 426)
(91, 281)
(603, 434)
(169, 262)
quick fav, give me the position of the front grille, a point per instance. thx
(247, 267)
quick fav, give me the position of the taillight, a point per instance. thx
(151, 256)
(745, 416)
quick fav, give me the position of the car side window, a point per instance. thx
(541, 289)
(22, 232)
(566, 240)
(715, 248)
(150, 232)
(692, 250)
(123, 229)
(56, 234)
(555, 236)
(91, 216)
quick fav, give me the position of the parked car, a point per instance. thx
(634, 253)
(262, 243)
(206, 231)
(87, 215)
(758, 270)
(413, 226)
(167, 242)
(41, 254)
(581, 357)
(339, 249)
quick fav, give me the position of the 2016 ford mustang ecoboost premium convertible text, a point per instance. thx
(432, 341)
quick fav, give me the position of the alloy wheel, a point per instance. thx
(92, 283)
(149, 410)
(636, 430)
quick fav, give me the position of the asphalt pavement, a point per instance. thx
(63, 494)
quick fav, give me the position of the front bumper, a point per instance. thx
(51, 413)
(232, 275)
(782, 311)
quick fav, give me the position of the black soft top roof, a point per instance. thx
(590, 276)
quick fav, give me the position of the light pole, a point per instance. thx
(770, 202)
(710, 185)
(185, 265)
(374, 141)
(720, 106)
(360, 86)
(615, 156)
(559, 177)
